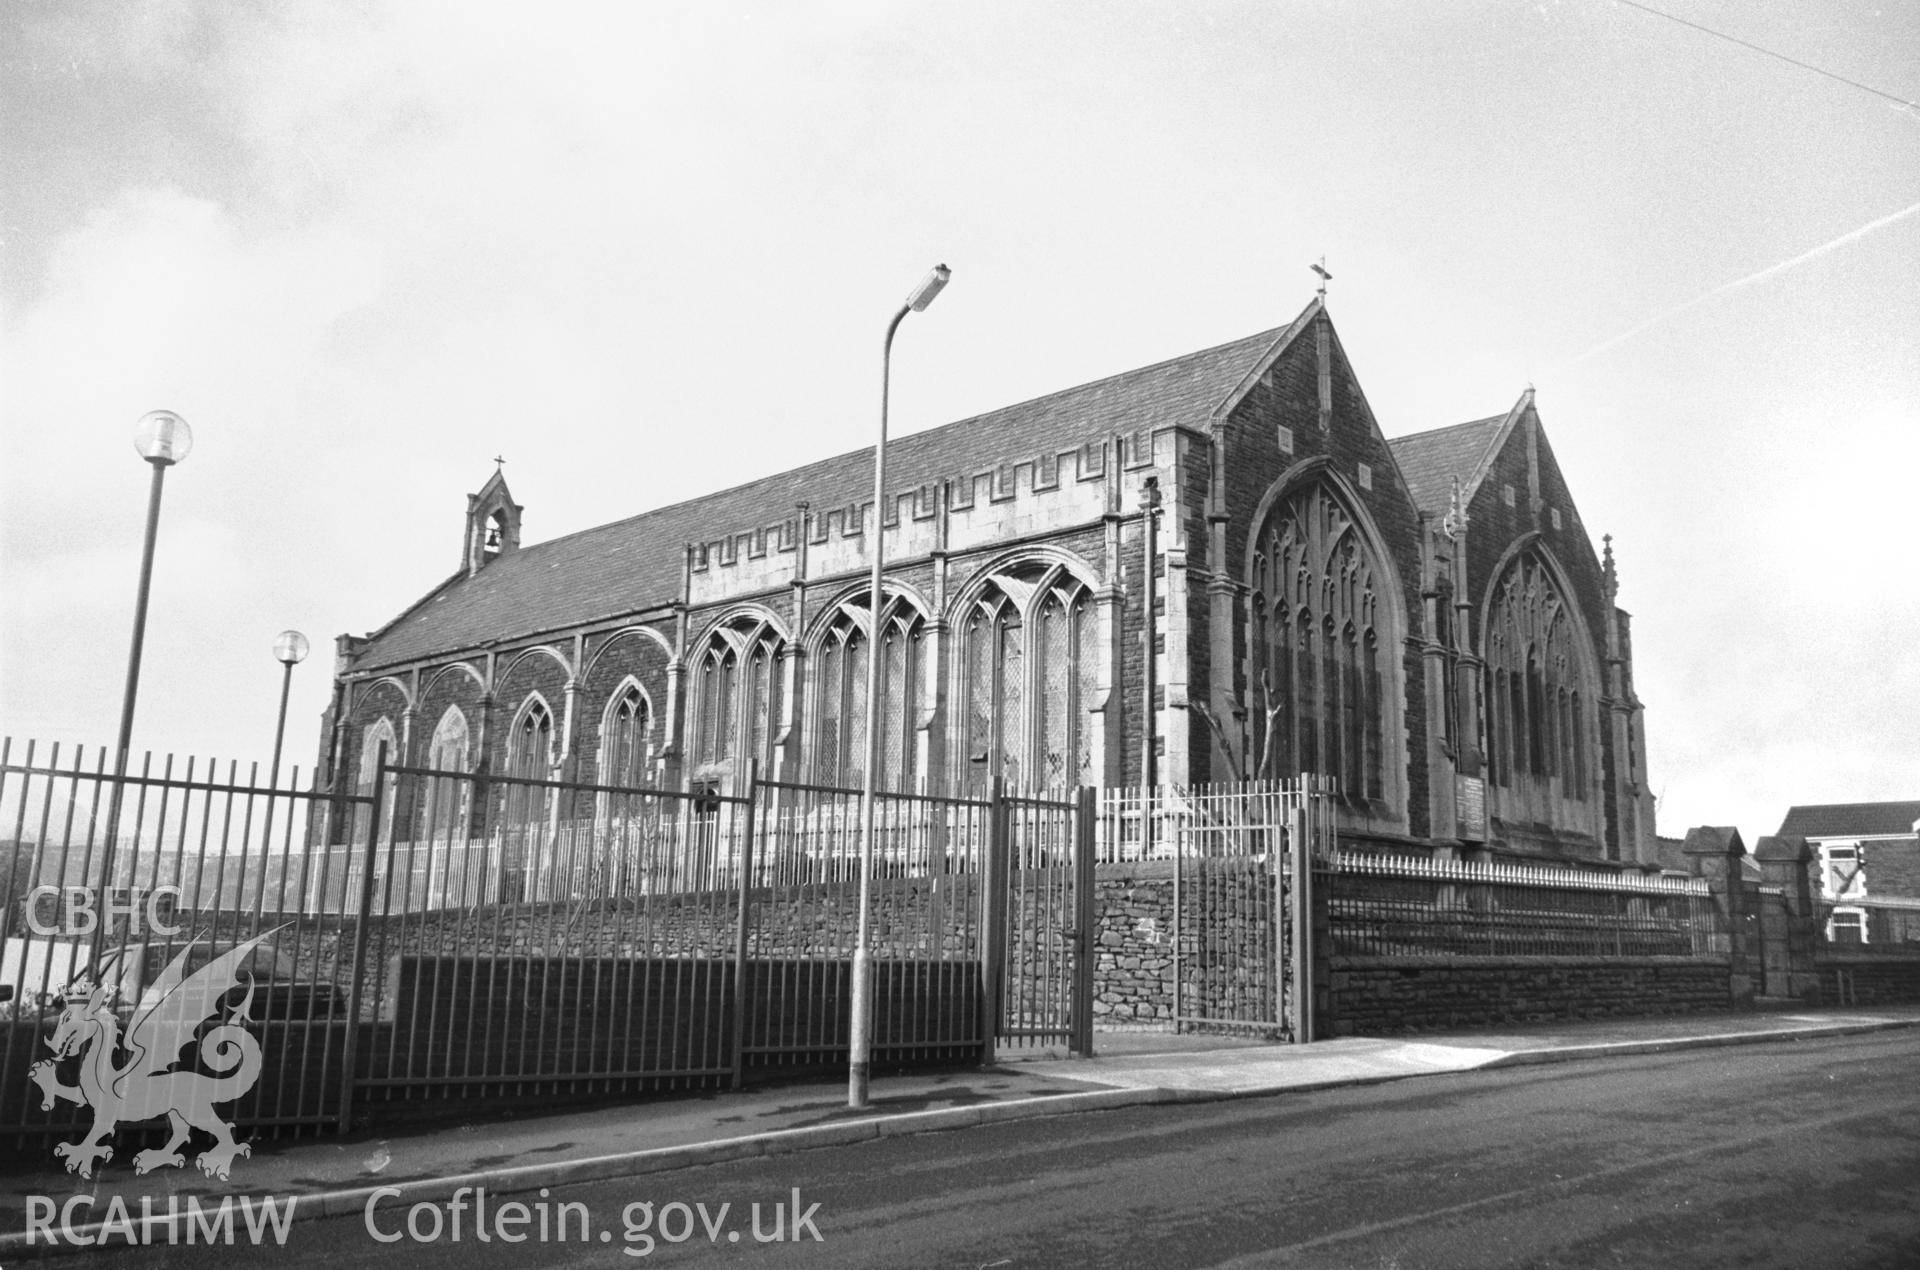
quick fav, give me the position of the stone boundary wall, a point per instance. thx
(1866, 978)
(1378, 995)
(1133, 946)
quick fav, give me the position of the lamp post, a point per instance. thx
(289, 649)
(860, 1044)
(163, 439)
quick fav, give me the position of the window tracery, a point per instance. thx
(1029, 667)
(1538, 721)
(736, 693)
(1316, 646)
(840, 695)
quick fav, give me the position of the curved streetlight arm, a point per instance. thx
(860, 1042)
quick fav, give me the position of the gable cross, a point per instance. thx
(1320, 267)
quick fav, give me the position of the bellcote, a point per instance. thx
(493, 524)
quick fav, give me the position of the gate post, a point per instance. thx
(1085, 918)
(351, 1051)
(993, 921)
(740, 926)
(1300, 856)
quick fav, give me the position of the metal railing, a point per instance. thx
(1244, 818)
(1391, 905)
(453, 933)
(106, 881)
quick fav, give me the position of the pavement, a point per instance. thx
(507, 1151)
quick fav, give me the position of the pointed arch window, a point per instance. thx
(446, 810)
(1537, 666)
(736, 689)
(381, 733)
(530, 745)
(1315, 646)
(840, 696)
(1029, 665)
(626, 739)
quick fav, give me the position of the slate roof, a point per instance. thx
(636, 564)
(1429, 460)
(1845, 820)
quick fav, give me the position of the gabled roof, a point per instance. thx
(1431, 460)
(1846, 820)
(635, 564)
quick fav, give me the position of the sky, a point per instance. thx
(643, 251)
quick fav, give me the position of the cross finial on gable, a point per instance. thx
(499, 463)
(1320, 267)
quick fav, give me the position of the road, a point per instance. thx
(1792, 1154)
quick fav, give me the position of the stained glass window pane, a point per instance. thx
(1012, 707)
(1087, 672)
(979, 704)
(893, 710)
(1053, 643)
(827, 752)
(853, 758)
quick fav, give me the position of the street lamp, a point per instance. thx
(289, 649)
(163, 439)
(860, 1044)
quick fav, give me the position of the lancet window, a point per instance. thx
(447, 799)
(1317, 646)
(1029, 664)
(530, 756)
(1537, 720)
(626, 739)
(840, 695)
(736, 690)
(381, 733)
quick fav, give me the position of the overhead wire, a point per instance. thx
(1791, 61)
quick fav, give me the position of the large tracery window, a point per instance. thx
(1029, 666)
(840, 696)
(736, 691)
(1317, 646)
(1537, 724)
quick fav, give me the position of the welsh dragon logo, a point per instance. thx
(170, 1011)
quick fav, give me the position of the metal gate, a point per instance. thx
(1041, 921)
(445, 934)
(1241, 859)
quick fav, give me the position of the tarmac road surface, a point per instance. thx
(1779, 1154)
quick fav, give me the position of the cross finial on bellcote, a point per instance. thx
(1320, 267)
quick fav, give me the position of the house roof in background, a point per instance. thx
(1845, 820)
(634, 564)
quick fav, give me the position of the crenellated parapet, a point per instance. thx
(990, 506)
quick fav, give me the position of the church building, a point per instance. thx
(1215, 568)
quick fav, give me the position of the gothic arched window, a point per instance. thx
(736, 697)
(381, 733)
(1029, 664)
(840, 695)
(447, 798)
(1538, 720)
(1315, 645)
(530, 744)
(626, 741)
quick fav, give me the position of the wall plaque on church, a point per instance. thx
(1471, 803)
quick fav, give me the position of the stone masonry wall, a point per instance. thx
(1376, 995)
